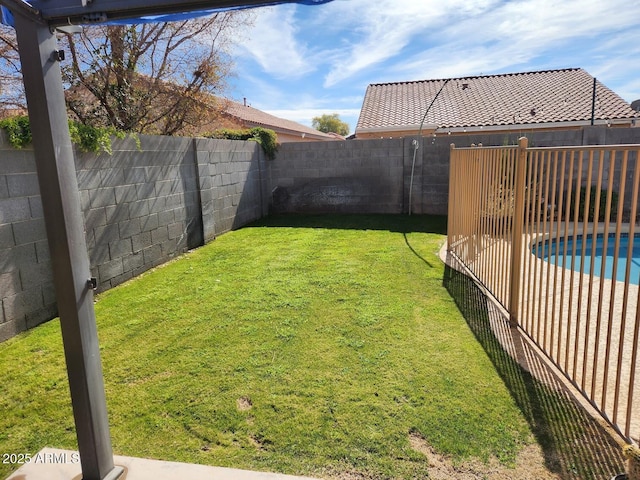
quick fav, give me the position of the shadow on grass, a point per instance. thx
(393, 223)
(574, 444)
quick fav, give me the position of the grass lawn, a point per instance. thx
(304, 345)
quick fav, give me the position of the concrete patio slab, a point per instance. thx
(56, 464)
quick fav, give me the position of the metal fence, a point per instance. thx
(551, 233)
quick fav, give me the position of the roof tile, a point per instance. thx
(255, 116)
(518, 98)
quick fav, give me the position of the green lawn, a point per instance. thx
(304, 345)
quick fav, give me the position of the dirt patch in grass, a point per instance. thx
(244, 404)
(529, 465)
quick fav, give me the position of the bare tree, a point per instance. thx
(156, 78)
(11, 89)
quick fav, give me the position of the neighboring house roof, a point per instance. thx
(216, 113)
(532, 99)
(257, 118)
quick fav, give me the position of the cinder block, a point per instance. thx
(205, 182)
(17, 257)
(176, 230)
(159, 235)
(149, 222)
(14, 209)
(153, 174)
(101, 197)
(134, 175)
(35, 205)
(85, 200)
(49, 293)
(4, 189)
(19, 305)
(120, 248)
(206, 196)
(41, 315)
(166, 217)
(127, 275)
(117, 213)
(140, 242)
(18, 161)
(11, 327)
(171, 171)
(10, 283)
(99, 254)
(33, 276)
(129, 228)
(152, 255)
(170, 248)
(157, 204)
(109, 270)
(30, 231)
(126, 193)
(88, 161)
(111, 177)
(42, 251)
(139, 208)
(204, 169)
(174, 201)
(95, 217)
(6, 236)
(107, 234)
(145, 191)
(88, 179)
(133, 261)
(166, 187)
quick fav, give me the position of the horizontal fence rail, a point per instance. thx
(551, 233)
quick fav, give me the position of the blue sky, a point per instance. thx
(298, 61)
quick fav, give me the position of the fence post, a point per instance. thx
(451, 201)
(517, 240)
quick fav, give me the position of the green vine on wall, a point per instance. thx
(18, 130)
(267, 138)
(92, 139)
(88, 139)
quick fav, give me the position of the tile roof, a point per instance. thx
(492, 100)
(257, 117)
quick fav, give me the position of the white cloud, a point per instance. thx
(473, 36)
(384, 28)
(274, 45)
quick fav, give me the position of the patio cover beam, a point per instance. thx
(67, 245)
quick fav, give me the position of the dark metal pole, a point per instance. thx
(67, 244)
(593, 102)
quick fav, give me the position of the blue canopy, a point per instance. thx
(6, 16)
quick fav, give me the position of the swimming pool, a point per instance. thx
(565, 251)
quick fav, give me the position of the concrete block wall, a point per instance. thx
(27, 294)
(375, 176)
(360, 176)
(233, 184)
(142, 206)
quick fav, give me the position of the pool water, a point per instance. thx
(565, 251)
